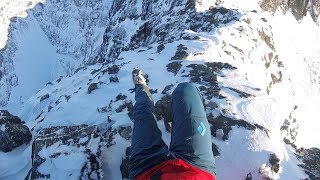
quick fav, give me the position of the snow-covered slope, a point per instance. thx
(57, 37)
(69, 64)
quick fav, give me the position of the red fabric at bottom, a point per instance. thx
(176, 169)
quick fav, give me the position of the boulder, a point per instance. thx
(92, 87)
(174, 67)
(125, 132)
(12, 132)
(160, 48)
(114, 69)
(274, 161)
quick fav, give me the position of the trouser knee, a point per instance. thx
(186, 87)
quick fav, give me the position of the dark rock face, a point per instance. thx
(114, 69)
(160, 48)
(127, 105)
(211, 105)
(153, 29)
(181, 53)
(298, 8)
(120, 97)
(274, 161)
(311, 160)
(315, 9)
(4, 113)
(267, 39)
(46, 96)
(139, 39)
(92, 87)
(212, 18)
(125, 165)
(290, 128)
(153, 91)
(65, 141)
(215, 150)
(206, 74)
(125, 132)
(114, 79)
(167, 88)
(1, 60)
(240, 93)
(162, 107)
(174, 67)
(12, 132)
(226, 123)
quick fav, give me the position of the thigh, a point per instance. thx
(147, 149)
(190, 136)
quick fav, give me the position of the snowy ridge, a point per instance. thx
(258, 75)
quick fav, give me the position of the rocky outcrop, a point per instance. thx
(161, 22)
(125, 132)
(206, 75)
(92, 87)
(73, 150)
(298, 8)
(274, 161)
(310, 158)
(225, 123)
(12, 132)
(126, 105)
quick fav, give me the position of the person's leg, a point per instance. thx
(190, 135)
(148, 149)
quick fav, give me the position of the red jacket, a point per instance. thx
(175, 169)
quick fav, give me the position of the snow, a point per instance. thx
(237, 147)
(250, 5)
(67, 164)
(298, 43)
(139, 6)
(114, 157)
(2, 127)
(10, 9)
(37, 62)
(64, 166)
(204, 5)
(15, 164)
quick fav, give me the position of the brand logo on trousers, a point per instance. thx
(201, 129)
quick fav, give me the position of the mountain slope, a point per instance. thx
(257, 71)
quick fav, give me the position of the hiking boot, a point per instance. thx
(137, 77)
